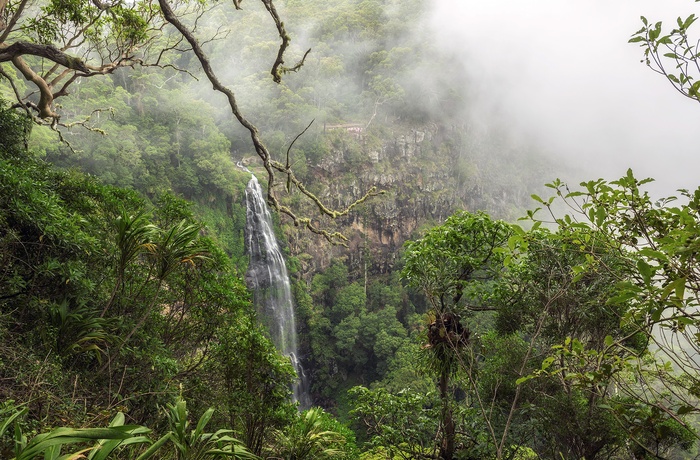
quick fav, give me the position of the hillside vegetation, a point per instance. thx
(437, 329)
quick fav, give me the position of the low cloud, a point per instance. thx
(562, 74)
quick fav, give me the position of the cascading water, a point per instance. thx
(268, 279)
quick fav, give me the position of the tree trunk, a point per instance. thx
(447, 445)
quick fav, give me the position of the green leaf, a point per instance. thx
(683, 410)
(655, 32)
(653, 254)
(104, 447)
(676, 286)
(693, 90)
(202, 423)
(600, 216)
(645, 270)
(547, 363)
(61, 436)
(689, 21)
(8, 421)
(679, 287)
(155, 447)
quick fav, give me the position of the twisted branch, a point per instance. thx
(261, 150)
(278, 68)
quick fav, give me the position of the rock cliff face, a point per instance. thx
(422, 174)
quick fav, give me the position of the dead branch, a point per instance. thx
(261, 150)
(15, 90)
(295, 139)
(278, 68)
(85, 123)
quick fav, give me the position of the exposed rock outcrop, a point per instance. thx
(422, 174)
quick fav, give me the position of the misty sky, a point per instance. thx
(562, 72)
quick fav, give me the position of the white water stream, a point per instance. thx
(268, 279)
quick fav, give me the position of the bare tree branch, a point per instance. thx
(7, 28)
(278, 68)
(268, 163)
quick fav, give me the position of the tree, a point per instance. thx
(547, 301)
(402, 424)
(453, 264)
(352, 337)
(108, 36)
(54, 44)
(254, 382)
(657, 281)
(549, 339)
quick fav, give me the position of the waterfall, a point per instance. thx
(268, 279)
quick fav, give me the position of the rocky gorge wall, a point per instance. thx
(425, 174)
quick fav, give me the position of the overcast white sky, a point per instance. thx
(563, 72)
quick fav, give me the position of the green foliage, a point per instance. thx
(195, 444)
(186, 443)
(181, 150)
(403, 424)
(502, 357)
(656, 241)
(106, 305)
(50, 444)
(15, 131)
(326, 286)
(306, 438)
(352, 335)
(562, 338)
(651, 430)
(79, 331)
(633, 253)
(350, 300)
(253, 382)
(450, 261)
(408, 367)
(674, 54)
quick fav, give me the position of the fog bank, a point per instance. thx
(564, 75)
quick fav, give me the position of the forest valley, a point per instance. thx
(433, 324)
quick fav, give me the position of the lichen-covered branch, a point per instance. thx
(333, 214)
(261, 150)
(278, 68)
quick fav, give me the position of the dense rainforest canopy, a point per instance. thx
(433, 330)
